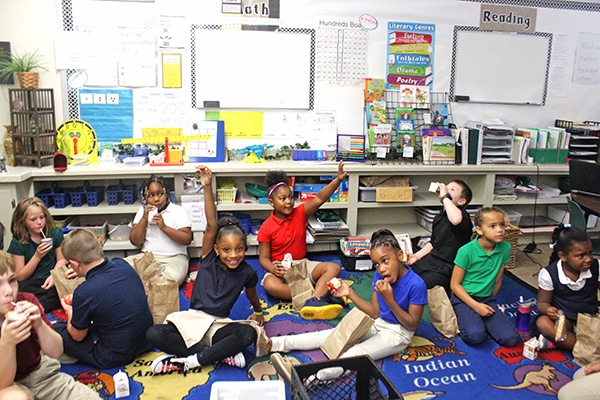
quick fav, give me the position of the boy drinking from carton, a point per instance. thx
(26, 332)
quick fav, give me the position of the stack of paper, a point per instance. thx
(322, 234)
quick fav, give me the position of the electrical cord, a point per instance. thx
(531, 247)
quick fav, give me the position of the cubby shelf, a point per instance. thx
(362, 217)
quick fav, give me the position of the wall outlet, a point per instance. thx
(112, 98)
(99, 98)
(86, 98)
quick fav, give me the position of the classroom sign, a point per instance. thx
(410, 55)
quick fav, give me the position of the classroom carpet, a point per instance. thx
(432, 367)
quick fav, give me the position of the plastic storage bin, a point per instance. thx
(244, 221)
(97, 224)
(248, 390)
(119, 230)
(353, 378)
(515, 217)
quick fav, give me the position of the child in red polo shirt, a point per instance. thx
(285, 232)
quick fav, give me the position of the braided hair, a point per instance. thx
(230, 225)
(384, 238)
(155, 179)
(563, 237)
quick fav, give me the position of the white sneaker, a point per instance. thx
(238, 360)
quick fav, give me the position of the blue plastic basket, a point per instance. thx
(54, 196)
(115, 193)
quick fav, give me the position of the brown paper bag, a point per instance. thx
(163, 294)
(300, 285)
(163, 298)
(63, 285)
(347, 333)
(587, 347)
(441, 312)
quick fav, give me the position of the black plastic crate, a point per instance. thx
(346, 378)
(358, 263)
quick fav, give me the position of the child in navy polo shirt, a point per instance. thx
(107, 321)
(204, 335)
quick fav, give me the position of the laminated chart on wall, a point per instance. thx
(211, 148)
(341, 56)
(410, 57)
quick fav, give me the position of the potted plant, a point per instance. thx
(24, 66)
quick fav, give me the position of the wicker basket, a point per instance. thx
(512, 237)
(28, 80)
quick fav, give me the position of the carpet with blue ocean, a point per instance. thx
(433, 366)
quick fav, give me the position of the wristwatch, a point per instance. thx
(447, 196)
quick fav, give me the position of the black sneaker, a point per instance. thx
(168, 363)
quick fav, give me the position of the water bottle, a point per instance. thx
(523, 314)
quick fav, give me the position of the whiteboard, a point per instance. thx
(500, 67)
(253, 69)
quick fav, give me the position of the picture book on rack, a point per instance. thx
(439, 114)
(376, 112)
(405, 119)
(374, 89)
(380, 136)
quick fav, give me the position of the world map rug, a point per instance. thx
(432, 367)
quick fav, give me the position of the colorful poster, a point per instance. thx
(410, 54)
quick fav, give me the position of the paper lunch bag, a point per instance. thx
(64, 286)
(587, 347)
(162, 293)
(351, 329)
(300, 285)
(441, 312)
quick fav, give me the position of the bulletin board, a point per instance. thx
(252, 68)
(500, 67)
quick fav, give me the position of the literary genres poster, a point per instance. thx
(410, 54)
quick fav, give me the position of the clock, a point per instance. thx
(76, 139)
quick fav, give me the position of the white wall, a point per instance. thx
(31, 24)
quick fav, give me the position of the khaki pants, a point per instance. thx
(382, 340)
(47, 382)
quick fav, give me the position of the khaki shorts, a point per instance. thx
(310, 267)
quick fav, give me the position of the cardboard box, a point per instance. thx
(385, 194)
(394, 194)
